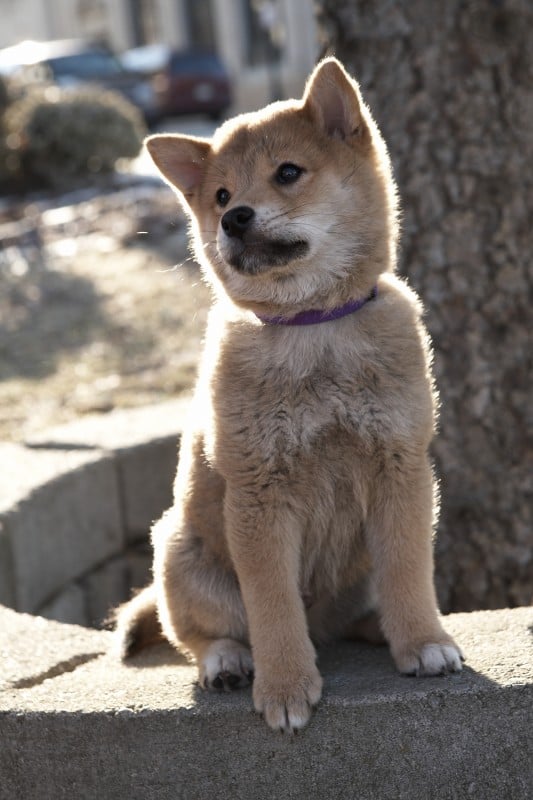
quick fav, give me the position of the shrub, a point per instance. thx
(62, 137)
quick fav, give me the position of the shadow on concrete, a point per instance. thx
(370, 670)
(156, 656)
(66, 446)
(353, 673)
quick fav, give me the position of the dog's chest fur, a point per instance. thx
(285, 400)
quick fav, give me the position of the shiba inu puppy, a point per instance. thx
(304, 498)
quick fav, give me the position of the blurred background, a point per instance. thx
(99, 302)
(267, 46)
(101, 305)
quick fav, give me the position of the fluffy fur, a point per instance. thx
(304, 499)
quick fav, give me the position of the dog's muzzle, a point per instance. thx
(251, 252)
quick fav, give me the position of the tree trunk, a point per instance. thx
(451, 86)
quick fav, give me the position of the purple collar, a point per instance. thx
(314, 316)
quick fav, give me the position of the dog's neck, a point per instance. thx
(314, 316)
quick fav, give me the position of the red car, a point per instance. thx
(185, 82)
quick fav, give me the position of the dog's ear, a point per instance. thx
(333, 101)
(181, 160)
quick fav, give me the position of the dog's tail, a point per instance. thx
(137, 624)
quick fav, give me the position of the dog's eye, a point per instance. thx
(223, 197)
(288, 173)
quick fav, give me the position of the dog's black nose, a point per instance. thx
(236, 221)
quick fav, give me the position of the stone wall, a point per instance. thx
(76, 507)
(89, 599)
(451, 86)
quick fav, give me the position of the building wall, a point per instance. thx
(23, 19)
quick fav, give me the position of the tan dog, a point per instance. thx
(304, 499)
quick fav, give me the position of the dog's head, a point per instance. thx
(293, 206)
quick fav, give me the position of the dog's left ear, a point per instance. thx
(332, 99)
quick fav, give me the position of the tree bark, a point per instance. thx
(451, 86)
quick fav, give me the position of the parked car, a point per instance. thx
(185, 82)
(70, 63)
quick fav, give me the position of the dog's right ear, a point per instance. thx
(181, 160)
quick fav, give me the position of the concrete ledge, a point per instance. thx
(75, 506)
(75, 723)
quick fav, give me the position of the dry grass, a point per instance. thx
(98, 322)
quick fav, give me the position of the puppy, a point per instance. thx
(304, 498)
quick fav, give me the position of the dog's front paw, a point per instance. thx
(287, 704)
(431, 658)
(226, 665)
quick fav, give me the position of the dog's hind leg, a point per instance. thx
(202, 613)
(195, 601)
(201, 626)
(198, 596)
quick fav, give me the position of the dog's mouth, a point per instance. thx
(255, 255)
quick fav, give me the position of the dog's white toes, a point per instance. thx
(289, 717)
(226, 665)
(429, 659)
(287, 707)
(436, 659)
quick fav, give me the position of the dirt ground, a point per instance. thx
(100, 307)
